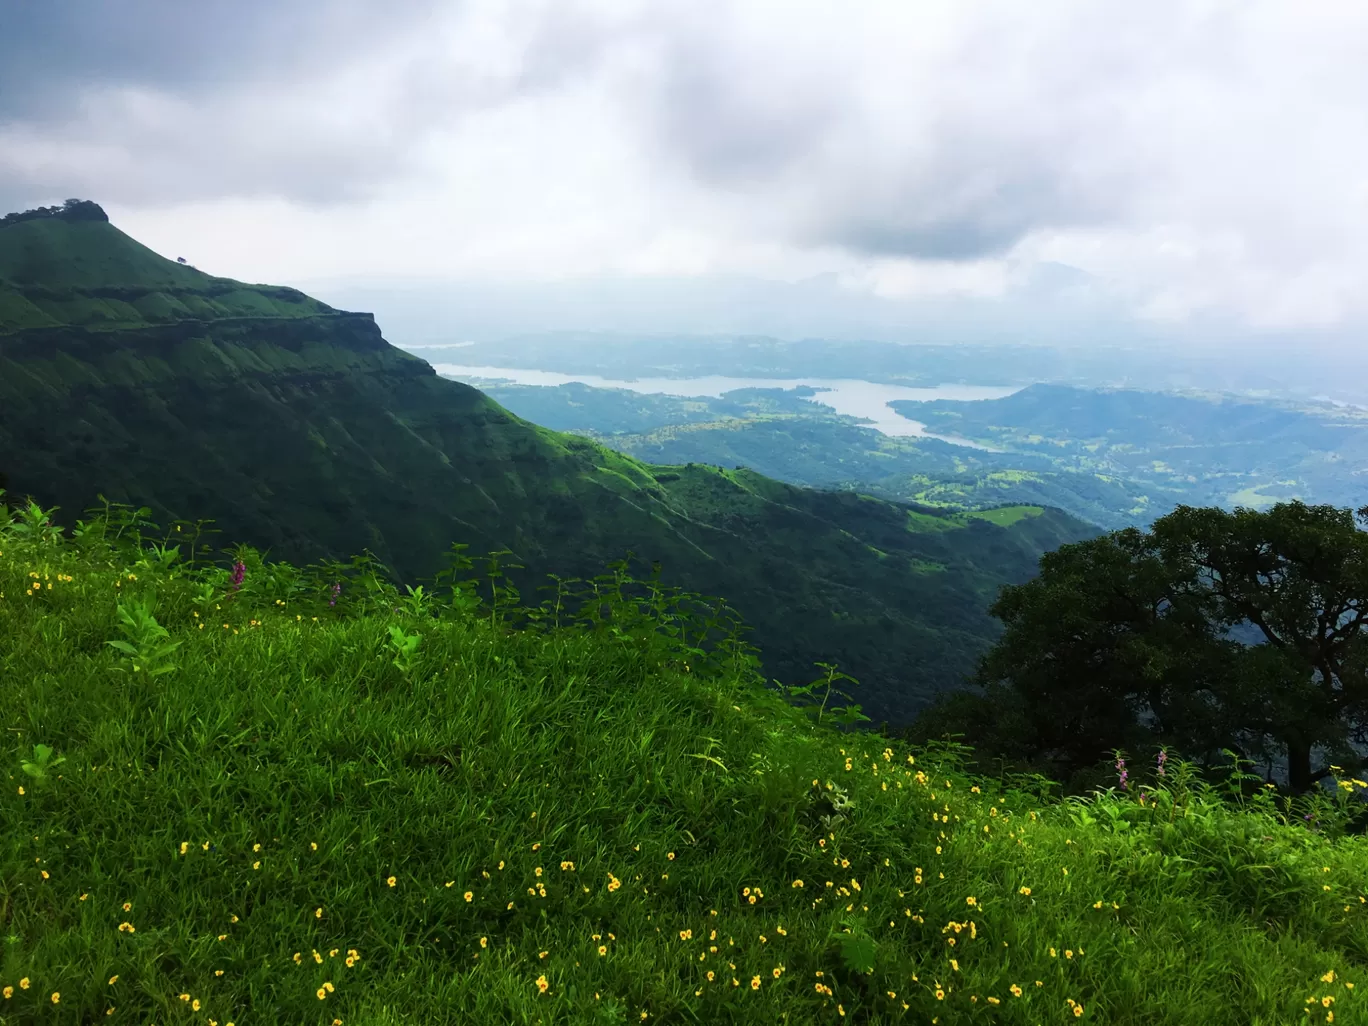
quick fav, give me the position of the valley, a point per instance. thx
(1114, 458)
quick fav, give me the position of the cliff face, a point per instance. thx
(238, 419)
(299, 429)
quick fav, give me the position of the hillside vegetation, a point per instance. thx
(240, 792)
(783, 435)
(1208, 450)
(301, 431)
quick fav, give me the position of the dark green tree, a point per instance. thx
(1213, 630)
(1297, 577)
(1104, 638)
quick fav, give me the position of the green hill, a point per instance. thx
(72, 268)
(228, 801)
(1196, 449)
(299, 429)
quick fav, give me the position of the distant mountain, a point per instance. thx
(923, 361)
(298, 428)
(1206, 449)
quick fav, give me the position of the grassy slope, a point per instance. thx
(88, 274)
(314, 437)
(565, 826)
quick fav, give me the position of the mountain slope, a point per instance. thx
(72, 268)
(298, 428)
(782, 435)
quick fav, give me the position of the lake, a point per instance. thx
(848, 396)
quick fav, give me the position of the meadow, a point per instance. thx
(238, 791)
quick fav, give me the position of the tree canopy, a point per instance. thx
(1245, 630)
(71, 210)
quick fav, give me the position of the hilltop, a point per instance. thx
(70, 268)
(300, 430)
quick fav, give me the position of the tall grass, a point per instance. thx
(240, 792)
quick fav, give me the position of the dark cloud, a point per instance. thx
(148, 102)
(966, 199)
(959, 160)
(50, 53)
(730, 123)
(249, 98)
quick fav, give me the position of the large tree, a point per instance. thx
(1297, 577)
(1244, 630)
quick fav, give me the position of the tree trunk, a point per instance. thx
(1298, 765)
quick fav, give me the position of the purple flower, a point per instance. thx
(1163, 757)
(1121, 767)
(239, 572)
(336, 590)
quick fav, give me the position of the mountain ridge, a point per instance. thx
(67, 267)
(302, 431)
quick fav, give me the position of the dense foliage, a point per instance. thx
(1245, 630)
(239, 791)
(71, 210)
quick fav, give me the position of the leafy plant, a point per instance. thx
(461, 591)
(205, 595)
(158, 557)
(856, 947)
(33, 522)
(417, 602)
(41, 764)
(145, 642)
(831, 806)
(405, 648)
(844, 716)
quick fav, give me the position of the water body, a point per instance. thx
(848, 396)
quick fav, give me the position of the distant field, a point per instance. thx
(1006, 516)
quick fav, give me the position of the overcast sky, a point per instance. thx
(1201, 161)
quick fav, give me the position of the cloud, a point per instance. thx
(1199, 158)
(156, 102)
(50, 54)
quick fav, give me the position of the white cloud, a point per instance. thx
(1203, 160)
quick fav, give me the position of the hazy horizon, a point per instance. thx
(1184, 174)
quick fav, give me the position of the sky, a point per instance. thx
(1177, 169)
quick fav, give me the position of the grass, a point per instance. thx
(56, 272)
(240, 794)
(1006, 516)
